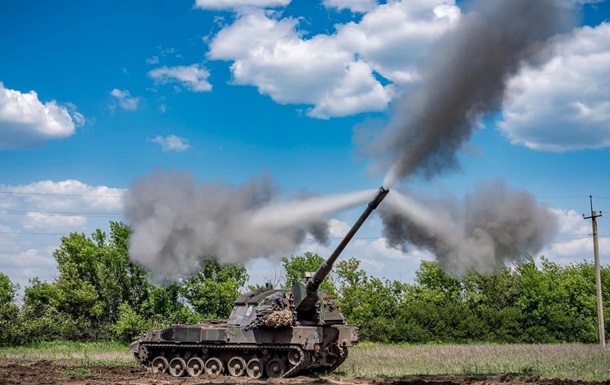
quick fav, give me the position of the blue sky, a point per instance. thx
(96, 94)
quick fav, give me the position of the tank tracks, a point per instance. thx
(297, 361)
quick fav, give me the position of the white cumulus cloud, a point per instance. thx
(338, 74)
(171, 143)
(395, 37)
(352, 5)
(53, 222)
(125, 100)
(67, 195)
(25, 121)
(193, 77)
(564, 105)
(238, 4)
(270, 55)
(357, 91)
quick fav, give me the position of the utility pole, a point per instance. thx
(598, 279)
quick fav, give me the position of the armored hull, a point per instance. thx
(262, 337)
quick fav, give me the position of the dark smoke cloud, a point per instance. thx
(464, 78)
(177, 223)
(491, 226)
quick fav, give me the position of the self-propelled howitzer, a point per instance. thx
(270, 332)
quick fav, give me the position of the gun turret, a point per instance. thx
(305, 300)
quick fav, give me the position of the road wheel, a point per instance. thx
(195, 367)
(214, 366)
(254, 369)
(237, 366)
(159, 364)
(177, 367)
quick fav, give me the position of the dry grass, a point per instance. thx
(566, 361)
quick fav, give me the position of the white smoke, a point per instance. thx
(177, 223)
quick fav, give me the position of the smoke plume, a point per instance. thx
(176, 223)
(491, 226)
(464, 78)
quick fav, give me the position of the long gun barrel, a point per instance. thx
(314, 282)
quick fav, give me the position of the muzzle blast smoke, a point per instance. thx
(464, 78)
(493, 225)
(176, 223)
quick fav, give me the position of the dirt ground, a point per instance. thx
(16, 372)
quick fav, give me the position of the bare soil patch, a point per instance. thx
(20, 372)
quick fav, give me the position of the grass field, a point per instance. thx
(81, 353)
(566, 361)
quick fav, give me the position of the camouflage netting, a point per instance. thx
(273, 312)
(278, 318)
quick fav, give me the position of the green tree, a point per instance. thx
(295, 268)
(41, 318)
(212, 289)
(447, 318)
(100, 264)
(558, 303)
(9, 311)
(95, 278)
(493, 300)
(369, 302)
(129, 324)
(166, 306)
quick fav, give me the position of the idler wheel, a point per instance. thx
(194, 367)
(294, 357)
(159, 364)
(214, 366)
(254, 369)
(177, 367)
(237, 366)
(275, 368)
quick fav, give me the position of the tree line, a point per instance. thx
(100, 294)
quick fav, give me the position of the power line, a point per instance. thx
(60, 194)
(600, 197)
(121, 196)
(26, 212)
(330, 238)
(561, 196)
(30, 233)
